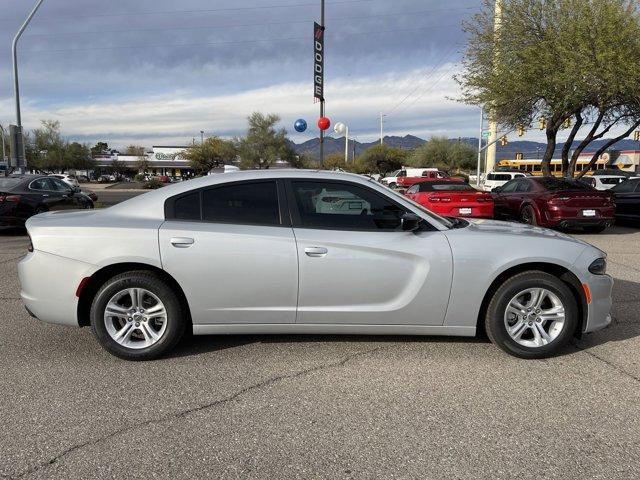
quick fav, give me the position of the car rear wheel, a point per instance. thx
(532, 315)
(528, 215)
(137, 316)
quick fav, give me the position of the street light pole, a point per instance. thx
(493, 125)
(201, 137)
(480, 145)
(322, 99)
(16, 85)
(4, 153)
(346, 145)
(382, 115)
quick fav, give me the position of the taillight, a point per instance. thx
(558, 200)
(485, 198)
(30, 245)
(10, 198)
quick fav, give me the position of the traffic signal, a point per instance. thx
(519, 156)
(567, 123)
(636, 135)
(504, 140)
(520, 130)
(542, 123)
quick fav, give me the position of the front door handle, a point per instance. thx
(316, 252)
(182, 242)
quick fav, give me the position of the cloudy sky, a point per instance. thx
(159, 71)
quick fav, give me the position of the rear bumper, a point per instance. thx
(570, 217)
(578, 223)
(48, 286)
(6, 221)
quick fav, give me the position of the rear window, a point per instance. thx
(499, 177)
(556, 184)
(8, 183)
(244, 203)
(611, 181)
(444, 187)
(628, 186)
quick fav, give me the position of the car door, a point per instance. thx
(67, 199)
(46, 195)
(357, 266)
(233, 252)
(502, 202)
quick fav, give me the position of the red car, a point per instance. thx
(554, 202)
(427, 175)
(452, 199)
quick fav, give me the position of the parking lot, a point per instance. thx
(320, 407)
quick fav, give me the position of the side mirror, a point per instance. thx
(75, 189)
(410, 222)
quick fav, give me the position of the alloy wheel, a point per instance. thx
(535, 317)
(135, 318)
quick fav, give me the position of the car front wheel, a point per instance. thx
(532, 315)
(137, 316)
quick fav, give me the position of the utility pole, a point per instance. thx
(201, 137)
(382, 115)
(322, 99)
(346, 145)
(480, 146)
(4, 153)
(493, 126)
(17, 141)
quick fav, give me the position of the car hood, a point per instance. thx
(520, 229)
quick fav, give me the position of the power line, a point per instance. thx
(433, 85)
(212, 27)
(448, 54)
(229, 43)
(207, 10)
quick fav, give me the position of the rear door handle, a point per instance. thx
(182, 242)
(316, 252)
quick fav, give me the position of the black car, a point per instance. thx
(22, 196)
(626, 195)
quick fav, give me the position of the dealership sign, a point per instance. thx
(318, 61)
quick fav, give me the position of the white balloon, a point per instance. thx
(340, 128)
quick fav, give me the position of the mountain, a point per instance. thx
(333, 145)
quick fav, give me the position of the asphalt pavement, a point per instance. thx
(321, 407)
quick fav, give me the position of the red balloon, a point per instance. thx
(324, 123)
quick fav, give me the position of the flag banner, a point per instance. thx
(318, 61)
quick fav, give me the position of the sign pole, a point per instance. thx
(322, 99)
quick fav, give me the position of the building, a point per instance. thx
(160, 160)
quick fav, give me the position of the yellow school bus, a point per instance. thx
(534, 166)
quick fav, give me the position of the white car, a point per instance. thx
(259, 252)
(391, 180)
(498, 179)
(69, 179)
(603, 182)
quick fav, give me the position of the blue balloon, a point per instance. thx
(300, 125)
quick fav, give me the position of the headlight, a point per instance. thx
(599, 266)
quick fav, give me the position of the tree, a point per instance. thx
(444, 154)
(211, 153)
(116, 167)
(99, 148)
(263, 144)
(561, 61)
(135, 151)
(78, 156)
(381, 159)
(334, 161)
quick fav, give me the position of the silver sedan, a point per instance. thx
(306, 252)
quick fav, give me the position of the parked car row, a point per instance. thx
(545, 201)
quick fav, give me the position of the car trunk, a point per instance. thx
(580, 199)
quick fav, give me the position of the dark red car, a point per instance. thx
(452, 199)
(554, 202)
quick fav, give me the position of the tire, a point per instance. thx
(597, 229)
(528, 215)
(393, 185)
(530, 344)
(147, 336)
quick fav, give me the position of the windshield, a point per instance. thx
(436, 218)
(448, 187)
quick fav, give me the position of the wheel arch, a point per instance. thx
(91, 287)
(536, 211)
(564, 274)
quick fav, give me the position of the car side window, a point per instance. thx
(242, 203)
(187, 207)
(59, 185)
(344, 206)
(523, 187)
(414, 189)
(42, 184)
(509, 187)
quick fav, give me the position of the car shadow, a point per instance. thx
(625, 326)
